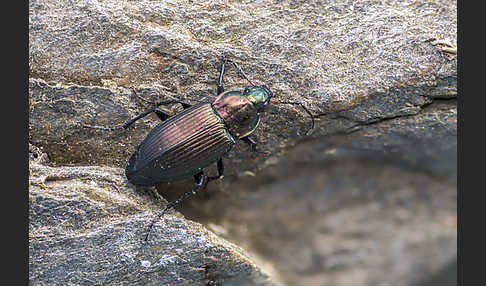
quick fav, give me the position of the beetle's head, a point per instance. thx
(258, 95)
(262, 97)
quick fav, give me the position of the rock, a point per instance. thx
(86, 227)
(371, 61)
(373, 207)
(369, 198)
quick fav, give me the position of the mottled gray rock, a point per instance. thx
(372, 59)
(86, 227)
(368, 199)
(366, 208)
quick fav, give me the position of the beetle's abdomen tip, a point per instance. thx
(132, 175)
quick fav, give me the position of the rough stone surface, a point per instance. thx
(372, 59)
(354, 210)
(368, 199)
(86, 228)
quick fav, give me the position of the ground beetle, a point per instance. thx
(182, 145)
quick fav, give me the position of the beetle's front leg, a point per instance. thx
(252, 143)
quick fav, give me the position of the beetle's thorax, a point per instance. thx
(239, 114)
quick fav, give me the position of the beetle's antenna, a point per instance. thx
(242, 73)
(275, 101)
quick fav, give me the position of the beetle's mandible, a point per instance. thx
(183, 144)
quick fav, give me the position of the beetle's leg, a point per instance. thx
(221, 73)
(252, 143)
(220, 171)
(167, 102)
(160, 113)
(201, 182)
(159, 103)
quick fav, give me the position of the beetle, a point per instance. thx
(182, 145)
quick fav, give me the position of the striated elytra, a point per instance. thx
(183, 145)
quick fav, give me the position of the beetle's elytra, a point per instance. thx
(180, 147)
(184, 144)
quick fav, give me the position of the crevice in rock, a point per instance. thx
(358, 124)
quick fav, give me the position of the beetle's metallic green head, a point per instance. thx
(258, 95)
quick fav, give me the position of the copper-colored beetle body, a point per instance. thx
(196, 137)
(238, 113)
(180, 147)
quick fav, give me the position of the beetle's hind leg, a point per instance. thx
(201, 182)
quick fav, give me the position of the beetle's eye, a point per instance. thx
(248, 89)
